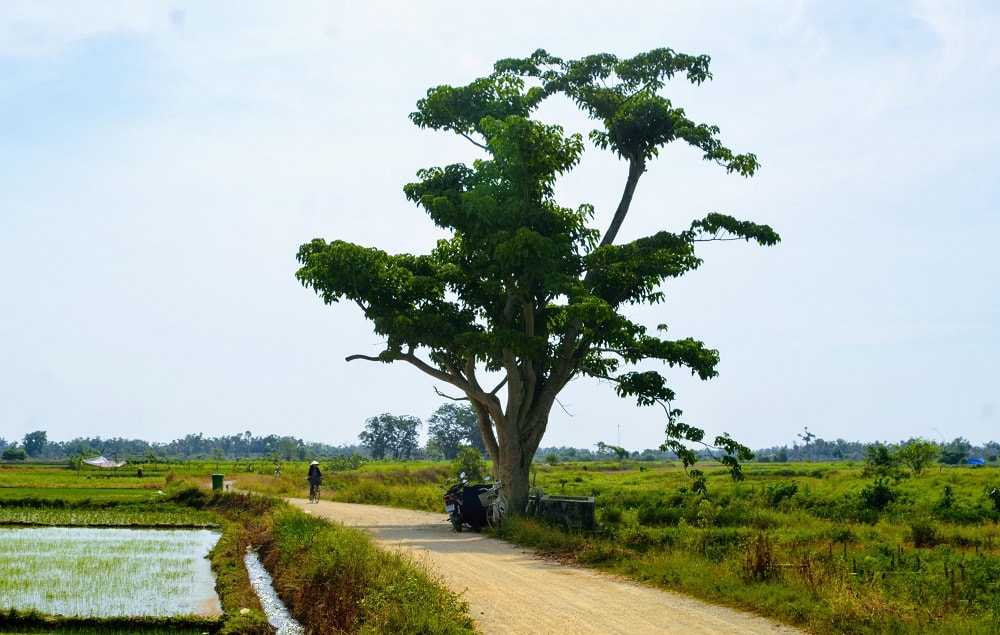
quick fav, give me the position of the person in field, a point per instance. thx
(314, 477)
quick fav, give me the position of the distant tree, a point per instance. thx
(917, 454)
(880, 462)
(955, 451)
(287, 448)
(620, 453)
(807, 438)
(391, 435)
(452, 426)
(34, 442)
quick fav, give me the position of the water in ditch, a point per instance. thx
(274, 608)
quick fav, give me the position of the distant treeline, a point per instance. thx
(193, 446)
(953, 452)
(285, 448)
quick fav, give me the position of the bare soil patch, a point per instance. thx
(512, 590)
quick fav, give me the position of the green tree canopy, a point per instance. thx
(452, 426)
(525, 294)
(391, 435)
(34, 442)
(917, 454)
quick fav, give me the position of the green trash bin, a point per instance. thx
(217, 481)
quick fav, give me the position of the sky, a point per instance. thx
(161, 163)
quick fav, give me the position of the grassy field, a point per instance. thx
(825, 547)
(307, 575)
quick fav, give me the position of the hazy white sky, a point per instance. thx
(161, 162)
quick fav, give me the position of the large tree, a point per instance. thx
(452, 426)
(526, 295)
(34, 442)
(389, 435)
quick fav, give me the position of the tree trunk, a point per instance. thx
(514, 470)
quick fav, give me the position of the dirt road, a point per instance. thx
(538, 596)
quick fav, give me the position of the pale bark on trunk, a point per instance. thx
(513, 448)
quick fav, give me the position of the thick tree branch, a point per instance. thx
(636, 167)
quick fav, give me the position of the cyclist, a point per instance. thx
(314, 477)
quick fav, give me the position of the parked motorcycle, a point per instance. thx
(465, 506)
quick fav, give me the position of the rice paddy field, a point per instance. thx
(107, 572)
(104, 552)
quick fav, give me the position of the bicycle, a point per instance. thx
(534, 500)
(313, 492)
(496, 509)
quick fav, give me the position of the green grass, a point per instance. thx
(378, 591)
(803, 544)
(819, 546)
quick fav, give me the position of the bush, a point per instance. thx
(470, 461)
(14, 454)
(190, 496)
(779, 492)
(923, 533)
(878, 495)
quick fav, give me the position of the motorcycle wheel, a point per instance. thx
(456, 523)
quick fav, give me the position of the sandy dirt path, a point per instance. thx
(510, 590)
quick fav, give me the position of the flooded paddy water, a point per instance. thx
(108, 572)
